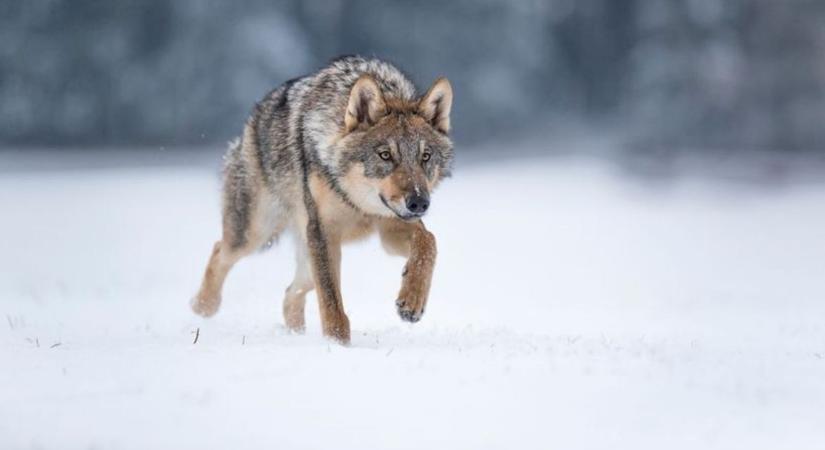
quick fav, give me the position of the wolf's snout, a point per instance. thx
(418, 204)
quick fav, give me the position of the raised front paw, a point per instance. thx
(410, 308)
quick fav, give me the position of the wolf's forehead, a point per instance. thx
(408, 132)
(408, 143)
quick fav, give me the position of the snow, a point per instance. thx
(572, 307)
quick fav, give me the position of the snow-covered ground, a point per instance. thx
(572, 307)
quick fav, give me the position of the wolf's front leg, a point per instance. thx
(325, 259)
(418, 245)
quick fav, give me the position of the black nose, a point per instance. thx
(418, 204)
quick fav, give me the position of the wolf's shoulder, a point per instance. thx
(343, 71)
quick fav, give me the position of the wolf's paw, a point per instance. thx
(205, 307)
(410, 311)
(337, 328)
(294, 314)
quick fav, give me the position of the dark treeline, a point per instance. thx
(672, 73)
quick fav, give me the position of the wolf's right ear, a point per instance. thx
(366, 104)
(435, 105)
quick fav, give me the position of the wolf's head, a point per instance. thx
(393, 153)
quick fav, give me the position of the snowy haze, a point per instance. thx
(572, 307)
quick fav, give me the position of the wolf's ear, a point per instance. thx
(435, 105)
(366, 104)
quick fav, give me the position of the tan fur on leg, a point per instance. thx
(208, 299)
(295, 298)
(333, 319)
(418, 245)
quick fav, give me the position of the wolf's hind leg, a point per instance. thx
(249, 222)
(208, 299)
(295, 298)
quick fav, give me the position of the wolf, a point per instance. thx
(333, 157)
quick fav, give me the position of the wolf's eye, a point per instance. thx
(385, 155)
(426, 156)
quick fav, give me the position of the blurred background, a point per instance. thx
(660, 77)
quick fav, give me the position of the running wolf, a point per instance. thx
(333, 157)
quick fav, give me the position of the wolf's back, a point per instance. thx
(295, 120)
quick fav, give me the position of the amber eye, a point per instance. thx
(385, 155)
(426, 157)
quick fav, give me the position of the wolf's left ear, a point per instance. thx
(436, 103)
(366, 104)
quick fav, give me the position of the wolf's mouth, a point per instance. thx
(406, 217)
